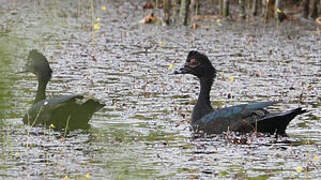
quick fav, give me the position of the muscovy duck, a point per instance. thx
(241, 118)
(64, 112)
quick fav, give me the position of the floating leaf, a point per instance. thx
(195, 26)
(103, 8)
(96, 26)
(149, 19)
(231, 79)
(98, 19)
(223, 173)
(316, 158)
(161, 43)
(17, 154)
(171, 66)
(318, 20)
(148, 5)
(66, 177)
(52, 126)
(87, 176)
(299, 169)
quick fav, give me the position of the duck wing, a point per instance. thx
(58, 110)
(78, 114)
(247, 118)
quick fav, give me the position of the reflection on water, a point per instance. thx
(144, 132)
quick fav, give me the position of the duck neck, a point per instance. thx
(203, 105)
(41, 92)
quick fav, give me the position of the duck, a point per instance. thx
(243, 118)
(66, 112)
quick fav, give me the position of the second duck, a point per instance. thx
(62, 112)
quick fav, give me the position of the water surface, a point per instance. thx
(144, 132)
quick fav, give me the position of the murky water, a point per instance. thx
(143, 132)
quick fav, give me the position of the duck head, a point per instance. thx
(198, 65)
(37, 64)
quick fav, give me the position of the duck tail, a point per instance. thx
(277, 122)
(91, 106)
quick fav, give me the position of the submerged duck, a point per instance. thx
(64, 112)
(241, 118)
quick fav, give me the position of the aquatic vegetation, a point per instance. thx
(171, 66)
(96, 26)
(103, 8)
(299, 169)
(144, 131)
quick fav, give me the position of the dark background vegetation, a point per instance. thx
(188, 11)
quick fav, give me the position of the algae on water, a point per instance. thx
(7, 61)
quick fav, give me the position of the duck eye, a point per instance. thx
(192, 63)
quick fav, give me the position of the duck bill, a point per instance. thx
(26, 69)
(22, 72)
(182, 70)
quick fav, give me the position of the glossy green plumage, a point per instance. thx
(58, 110)
(236, 112)
(62, 112)
(246, 118)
